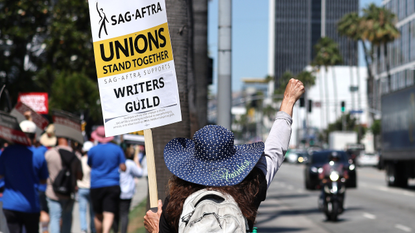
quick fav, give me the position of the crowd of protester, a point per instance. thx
(103, 184)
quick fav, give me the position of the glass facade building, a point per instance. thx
(401, 52)
(298, 28)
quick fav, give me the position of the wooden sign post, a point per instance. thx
(151, 168)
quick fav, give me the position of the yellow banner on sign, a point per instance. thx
(133, 51)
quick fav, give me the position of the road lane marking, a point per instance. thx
(404, 228)
(386, 189)
(369, 216)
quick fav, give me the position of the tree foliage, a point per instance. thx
(378, 25)
(327, 53)
(22, 27)
(68, 43)
(350, 125)
(83, 90)
(47, 47)
(348, 26)
(307, 78)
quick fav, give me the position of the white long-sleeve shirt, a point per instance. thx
(127, 183)
(276, 146)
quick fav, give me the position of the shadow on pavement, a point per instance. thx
(272, 215)
(291, 196)
(279, 229)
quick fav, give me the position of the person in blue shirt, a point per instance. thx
(2, 179)
(43, 147)
(127, 185)
(23, 168)
(105, 160)
(3, 222)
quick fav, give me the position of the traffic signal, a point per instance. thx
(310, 105)
(302, 101)
(343, 106)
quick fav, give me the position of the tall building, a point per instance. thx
(298, 27)
(401, 52)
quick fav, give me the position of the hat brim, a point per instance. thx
(97, 137)
(180, 160)
(47, 141)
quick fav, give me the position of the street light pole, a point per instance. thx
(225, 64)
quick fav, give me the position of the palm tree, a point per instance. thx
(201, 62)
(378, 27)
(308, 79)
(348, 26)
(328, 54)
(178, 15)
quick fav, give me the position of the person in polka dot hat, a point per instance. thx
(211, 160)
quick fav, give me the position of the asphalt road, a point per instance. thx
(371, 207)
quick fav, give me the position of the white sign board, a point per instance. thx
(134, 62)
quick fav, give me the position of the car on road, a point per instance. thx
(315, 163)
(297, 156)
(367, 159)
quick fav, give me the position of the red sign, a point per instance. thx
(38, 101)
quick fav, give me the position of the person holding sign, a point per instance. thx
(23, 168)
(212, 161)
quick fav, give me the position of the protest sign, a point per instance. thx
(67, 126)
(10, 130)
(40, 122)
(133, 139)
(38, 101)
(134, 62)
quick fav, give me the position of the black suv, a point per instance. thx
(316, 161)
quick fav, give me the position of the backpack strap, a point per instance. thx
(64, 157)
(206, 195)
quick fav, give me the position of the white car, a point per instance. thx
(367, 159)
(297, 156)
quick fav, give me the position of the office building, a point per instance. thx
(297, 28)
(401, 52)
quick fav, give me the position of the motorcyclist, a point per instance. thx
(333, 164)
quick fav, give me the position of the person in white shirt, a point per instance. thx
(127, 184)
(84, 185)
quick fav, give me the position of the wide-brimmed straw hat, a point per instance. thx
(99, 135)
(211, 158)
(48, 138)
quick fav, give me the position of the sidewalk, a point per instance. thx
(140, 194)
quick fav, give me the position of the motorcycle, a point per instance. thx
(331, 200)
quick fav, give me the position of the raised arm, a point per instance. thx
(292, 93)
(278, 139)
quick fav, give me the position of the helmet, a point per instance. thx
(334, 156)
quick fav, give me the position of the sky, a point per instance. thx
(249, 39)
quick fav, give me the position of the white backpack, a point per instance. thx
(211, 211)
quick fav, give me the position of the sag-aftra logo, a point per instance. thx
(125, 17)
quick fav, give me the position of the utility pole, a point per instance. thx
(323, 18)
(271, 46)
(225, 64)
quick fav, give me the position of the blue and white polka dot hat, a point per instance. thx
(211, 158)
